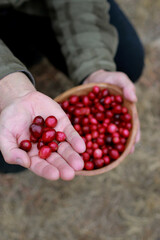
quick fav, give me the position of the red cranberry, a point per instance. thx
(118, 99)
(98, 163)
(60, 136)
(53, 146)
(73, 99)
(44, 152)
(36, 130)
(90, 151)
(33, 139)
(48, 136)
(116, 140)
(95, 145)
(65, 104)
(100, 141)
(109, 114)
(125, 133)
(96, 89)
(94, 134)
(112, 128)
(114, 154)
(127, 117)
(91, 95)
(97, 153)
(105, 150)
(40, 144)
(25, 145)
(124, 110)
(107, 100)
(120, 147)
(100, 116)
(51, 121)
(105, 92)
(89, 144)
(85, 156)
(106, 160)
(89, 165)
(38, 120)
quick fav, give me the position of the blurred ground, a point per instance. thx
(123, 204)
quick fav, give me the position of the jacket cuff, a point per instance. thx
(87, 69)
(12, 68)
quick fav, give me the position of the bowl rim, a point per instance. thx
(130, 141)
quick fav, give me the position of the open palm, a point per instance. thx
(15, 120)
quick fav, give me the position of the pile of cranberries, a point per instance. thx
(42, 133)
(103, 123)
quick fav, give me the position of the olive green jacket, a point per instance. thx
(88, 41)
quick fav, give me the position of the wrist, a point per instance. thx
(13, 86)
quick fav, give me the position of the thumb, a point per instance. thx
(129, 93)
(14, 155)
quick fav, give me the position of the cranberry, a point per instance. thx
(116, 140)
(97, 153)
(118, 99)
(124, 110)
(100, 116)
(112, 128)
(90, 151)
(73, 99)
(25, 145)
(33, 139)
(105, 150)
(40, 144)
(127, 117)
(60, 136)
(44, 152)
(105, 92)
(125, 133)
(89, 165)
(38, 120)
(77, 127)
(65, 104)
(91, 95)
(98, 163)
(89, 144)
(96, 90)
(51, 121)
(100, 141)
(48, 136)
(53, 145)
(114, 154)
(106, 160)
(85, 156)
(36, 130)
(120, 147)
(107, 100)
(85, 100)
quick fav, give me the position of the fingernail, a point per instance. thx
(20, 162)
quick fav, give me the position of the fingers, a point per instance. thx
(66, 172)
(74, 139)
(43, 169)
(70, 156)
(61, 164)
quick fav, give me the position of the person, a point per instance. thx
(90, 41)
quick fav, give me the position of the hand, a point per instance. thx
(120, 79)
(15, 120)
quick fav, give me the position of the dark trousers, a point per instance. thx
(25, 36)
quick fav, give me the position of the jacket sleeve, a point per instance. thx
(88, 41)
(10, 64)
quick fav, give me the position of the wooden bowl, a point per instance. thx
(85, 89)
